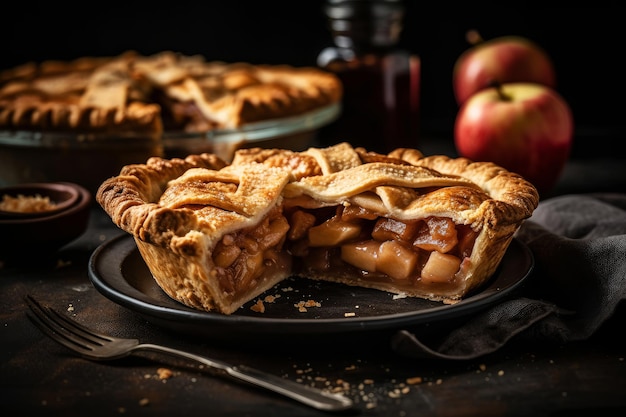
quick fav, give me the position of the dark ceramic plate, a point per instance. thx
(117, 271)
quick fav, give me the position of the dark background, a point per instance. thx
(586, 44)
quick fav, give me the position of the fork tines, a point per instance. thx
(62, 329)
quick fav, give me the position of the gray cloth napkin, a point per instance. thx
(579, 278)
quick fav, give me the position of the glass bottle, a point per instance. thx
(381, 81)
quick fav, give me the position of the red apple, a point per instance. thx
(524, 127)
(502, 60)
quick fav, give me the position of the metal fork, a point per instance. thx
(100, 347)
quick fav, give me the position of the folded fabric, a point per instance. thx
(579, 278)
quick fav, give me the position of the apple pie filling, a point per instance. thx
(243, 258)
(347, 239)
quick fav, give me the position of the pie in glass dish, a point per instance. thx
(215, 235)
(167, 91)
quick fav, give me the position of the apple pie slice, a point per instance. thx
(216, 235)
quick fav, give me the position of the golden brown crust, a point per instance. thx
(504, 186)
(131, 198)
(182, 213)
(149, 94)
(86, 95)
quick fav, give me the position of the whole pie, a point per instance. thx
(215, 235)
(148, 95)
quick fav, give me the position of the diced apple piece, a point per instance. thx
(466, 238)
(248, 243)
(260, 230)
(440, 267)
(275, 233)
(439, 235)
(361, 255)
(390, 229)
(352, 212)
(253, 268)
(301, 222)
(333, 233)
(396, 260)
(225, 255)
(441, 227)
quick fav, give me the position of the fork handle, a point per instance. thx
(316, 398)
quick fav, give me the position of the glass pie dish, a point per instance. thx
(295, 133)
(89, 159)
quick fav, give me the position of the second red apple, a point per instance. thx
(500, 60)
(526, 128)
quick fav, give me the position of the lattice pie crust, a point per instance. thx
(151, 94)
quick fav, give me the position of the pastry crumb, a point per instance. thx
(414, 380)
(349, 314)
(258, 307)
(144, 402)
(271, 298)
(165, 373)
(303, 305)
(395, 393)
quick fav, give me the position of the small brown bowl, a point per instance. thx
(61, 195)
(39, 233)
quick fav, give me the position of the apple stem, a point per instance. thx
(473, 37)
(498, 86)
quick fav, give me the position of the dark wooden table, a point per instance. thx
(40, 377)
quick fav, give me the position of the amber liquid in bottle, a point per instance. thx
(380, 106)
